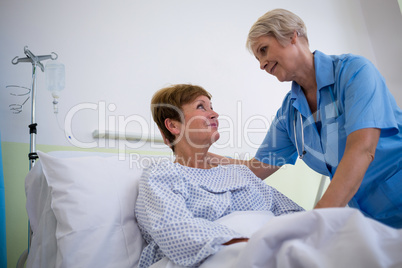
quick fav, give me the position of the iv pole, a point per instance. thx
(36, 61)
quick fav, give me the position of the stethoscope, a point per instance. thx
(303, 152)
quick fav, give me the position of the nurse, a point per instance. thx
(339, 118)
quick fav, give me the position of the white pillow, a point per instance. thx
(43, 248)
(93, 200)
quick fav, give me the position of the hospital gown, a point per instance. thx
(177, 207)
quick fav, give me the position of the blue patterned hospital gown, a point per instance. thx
(177, 207)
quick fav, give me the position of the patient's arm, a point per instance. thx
(260, 169)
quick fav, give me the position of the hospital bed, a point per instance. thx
(81, 211)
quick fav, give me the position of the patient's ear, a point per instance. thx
(173, 126)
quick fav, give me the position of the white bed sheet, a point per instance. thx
(335, 237)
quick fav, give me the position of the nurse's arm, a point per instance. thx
(359, 153)
(260, 169)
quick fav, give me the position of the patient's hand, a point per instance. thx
(235, 240)
(215, 159)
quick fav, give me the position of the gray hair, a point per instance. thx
(279, 23)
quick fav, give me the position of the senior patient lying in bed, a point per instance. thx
(179, 202)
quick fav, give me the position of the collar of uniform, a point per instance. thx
(324, 76)
(299, 101)
(324, 73)
(324, 70)
(296, 91)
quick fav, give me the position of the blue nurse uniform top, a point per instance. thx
(351, 95)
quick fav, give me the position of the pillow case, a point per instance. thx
(42, 250)
(93, 200)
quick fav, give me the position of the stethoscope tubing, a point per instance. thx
(303, 152)
(302, 134)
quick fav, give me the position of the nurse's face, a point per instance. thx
(274, 58)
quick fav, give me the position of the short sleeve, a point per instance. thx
(277, 148)
(367, 101)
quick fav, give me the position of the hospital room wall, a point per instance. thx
(114, 58)
(117, 54)
(385, 32)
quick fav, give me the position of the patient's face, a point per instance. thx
(200, 127)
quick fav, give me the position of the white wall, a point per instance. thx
(121, 52)
(384, 23)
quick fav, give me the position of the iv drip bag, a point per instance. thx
(55, 77)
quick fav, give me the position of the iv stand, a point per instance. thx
(36, 61)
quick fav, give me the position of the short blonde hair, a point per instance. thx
(279, 23)
(168, 102)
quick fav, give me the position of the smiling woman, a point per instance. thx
(179, 203)
(166, 108)
(200, 126)
(337, 116)
(279, 42)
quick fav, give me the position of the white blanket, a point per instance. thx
(336, 237)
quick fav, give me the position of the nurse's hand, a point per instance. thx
(216, 159)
